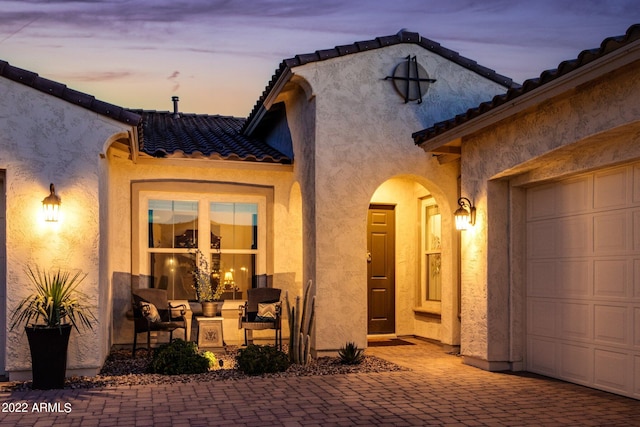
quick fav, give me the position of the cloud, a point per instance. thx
(101, 76)
(174, 79)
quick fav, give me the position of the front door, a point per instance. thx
(381, 269)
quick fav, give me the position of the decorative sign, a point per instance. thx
(410, 80)
(210, 332)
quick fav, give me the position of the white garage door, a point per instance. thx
(583, 280)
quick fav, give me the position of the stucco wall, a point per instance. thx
(361, 138)
(44, 140)
(595, 125)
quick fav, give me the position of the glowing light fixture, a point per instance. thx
(228, 278)
(51, 205)
(465, 215)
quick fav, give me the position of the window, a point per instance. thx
(228, 229)
(237, 226)
(431, 286)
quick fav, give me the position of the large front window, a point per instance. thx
(229, 231)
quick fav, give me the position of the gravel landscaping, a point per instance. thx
(120, 369)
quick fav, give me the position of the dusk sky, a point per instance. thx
(218, 55)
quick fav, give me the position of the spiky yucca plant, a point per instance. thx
(350, 354)
(55, 301)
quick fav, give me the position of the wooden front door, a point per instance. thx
(381, 269)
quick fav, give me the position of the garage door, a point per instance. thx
(583, 280)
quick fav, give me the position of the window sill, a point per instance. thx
(427, 312)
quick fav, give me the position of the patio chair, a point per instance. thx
(153, 312)
(261, 311)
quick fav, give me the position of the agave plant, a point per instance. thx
(56, 301)
(350, 354)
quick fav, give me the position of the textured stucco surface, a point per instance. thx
(43, 140)
(595, 125)
(351, 135)
(358, 134)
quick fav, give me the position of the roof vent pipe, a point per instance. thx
(175, 100)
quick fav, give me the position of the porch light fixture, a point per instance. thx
(465, 215)
(51, 205)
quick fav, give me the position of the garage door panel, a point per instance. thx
(636, 230)
(542, 357)
(542, 202)
(573, 196)
(573, 236)
(612, 233)
(542, 242)
(636, 370)
(541, 317)
(542, 278)
(612, 188)
(576, 321)
(583, 281)
(574, 278)
(576, 363)
(611, 370)
(611, 324)
(636, 327)
(611, 278)
(636, 183)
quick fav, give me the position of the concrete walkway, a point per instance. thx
(438, 391)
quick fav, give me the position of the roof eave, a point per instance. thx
(590, 71)
(61, 91)
(269, 100)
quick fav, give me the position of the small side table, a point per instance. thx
(210, 332)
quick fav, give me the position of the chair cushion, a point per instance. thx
(150, 311)
(267, 312)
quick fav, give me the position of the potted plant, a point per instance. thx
(208, 293)
(48, 314)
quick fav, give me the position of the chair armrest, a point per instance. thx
(181, 307)
(242, 314)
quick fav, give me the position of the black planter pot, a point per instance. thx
(48, 355)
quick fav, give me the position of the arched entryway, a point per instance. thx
(411, 273)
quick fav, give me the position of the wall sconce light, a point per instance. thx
(51, 205)
(465, 215)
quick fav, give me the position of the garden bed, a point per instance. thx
(120, 369)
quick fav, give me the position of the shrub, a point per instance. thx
(177, 358)
(258, 359)
(213, 361)
(350, 354)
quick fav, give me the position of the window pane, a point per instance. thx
(434, 282)
(173, 273)
(235, 225)
(236, 271)
(433, 228)
(173, 224)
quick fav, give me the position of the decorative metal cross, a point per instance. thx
(409, 72)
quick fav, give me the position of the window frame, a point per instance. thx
(142, 192)
(433, 306)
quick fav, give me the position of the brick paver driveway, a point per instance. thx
(439, 390)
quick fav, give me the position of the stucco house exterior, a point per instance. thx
(551, 270)
(322, 182)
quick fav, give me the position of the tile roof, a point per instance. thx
(377, 43)
(608, 46)
(163, 134)
(61, 91)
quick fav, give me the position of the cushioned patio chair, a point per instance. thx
(261, 311)
(153, 312)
